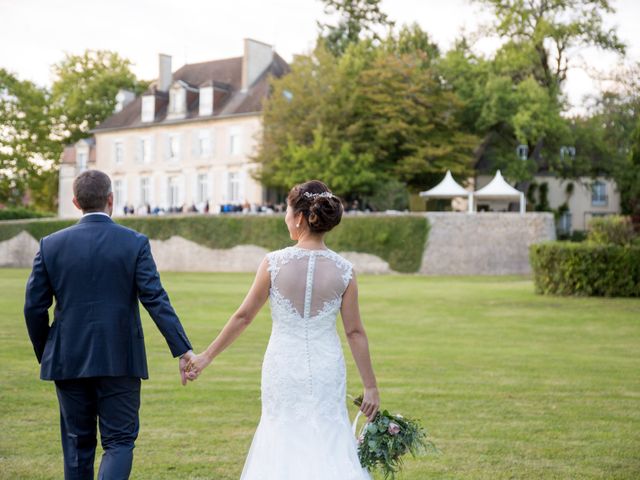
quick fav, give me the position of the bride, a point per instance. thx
(304, 431)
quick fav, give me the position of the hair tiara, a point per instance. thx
(316, 195)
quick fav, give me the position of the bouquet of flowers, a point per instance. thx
(383, 442)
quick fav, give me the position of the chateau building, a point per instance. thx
(187, 142)
(583, 199)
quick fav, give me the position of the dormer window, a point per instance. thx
(148, 108)
(206, 101)
(177, 101)
(82, 159)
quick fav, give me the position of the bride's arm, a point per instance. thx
(357, 338)
(253, 302)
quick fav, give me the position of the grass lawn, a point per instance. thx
(510, 384)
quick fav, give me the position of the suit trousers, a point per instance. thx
(113, 403)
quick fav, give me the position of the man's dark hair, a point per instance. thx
(91, 189)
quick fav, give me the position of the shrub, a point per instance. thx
(613, 229)
(564, 268)
(15, 213)
(575, 236)
(400, 240)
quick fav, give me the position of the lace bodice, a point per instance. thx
(304, 364)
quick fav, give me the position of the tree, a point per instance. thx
(382, 109)
(36, 123)
(357, 17)
(407, 120)
(628, 179)
(346, 171)
(505, 108)
(28, 147)
(550, 31)
(515, 97)
(606, 138)
(85, 89)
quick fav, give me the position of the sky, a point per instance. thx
(34, 34)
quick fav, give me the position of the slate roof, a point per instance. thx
(225, 75)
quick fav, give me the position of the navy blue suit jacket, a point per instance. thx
(96, 270)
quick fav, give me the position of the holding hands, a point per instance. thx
(196, 364)
(191, 365)
(182, 365)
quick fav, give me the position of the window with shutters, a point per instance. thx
(599, 194)
(174, 147)
(145, 197)
(118, 152)
(234, 187)
(204, 143)
(174, 192)
(81, 161)
(118, 194)
(235, 141)
(202, 194)
(145, 150)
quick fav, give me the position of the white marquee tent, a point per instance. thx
(448, 188)
(499, 189)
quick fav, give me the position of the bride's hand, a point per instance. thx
(370, 403)
(197, 364)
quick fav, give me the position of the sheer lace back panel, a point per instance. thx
(308, 283)
(303, 373)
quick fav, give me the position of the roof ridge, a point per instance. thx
(210, 61)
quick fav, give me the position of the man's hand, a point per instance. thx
(184, 360)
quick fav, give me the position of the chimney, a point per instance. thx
(165, 77)
(123, 98)
(257, 58)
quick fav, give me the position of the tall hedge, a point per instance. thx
(612, 229)
(400, 240)
(564, 268)
(16, 213)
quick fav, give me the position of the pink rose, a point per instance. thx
(394, 428)
(360, 439)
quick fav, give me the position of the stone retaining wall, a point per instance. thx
(458, 244)
(483, 243)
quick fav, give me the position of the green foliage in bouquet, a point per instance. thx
(383, 443)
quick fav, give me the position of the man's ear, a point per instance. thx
(75, 202)
(110, 200)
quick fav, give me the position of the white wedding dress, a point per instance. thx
(304, 431)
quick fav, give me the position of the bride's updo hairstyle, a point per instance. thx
(321, 208)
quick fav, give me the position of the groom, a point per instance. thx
(94, 350)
